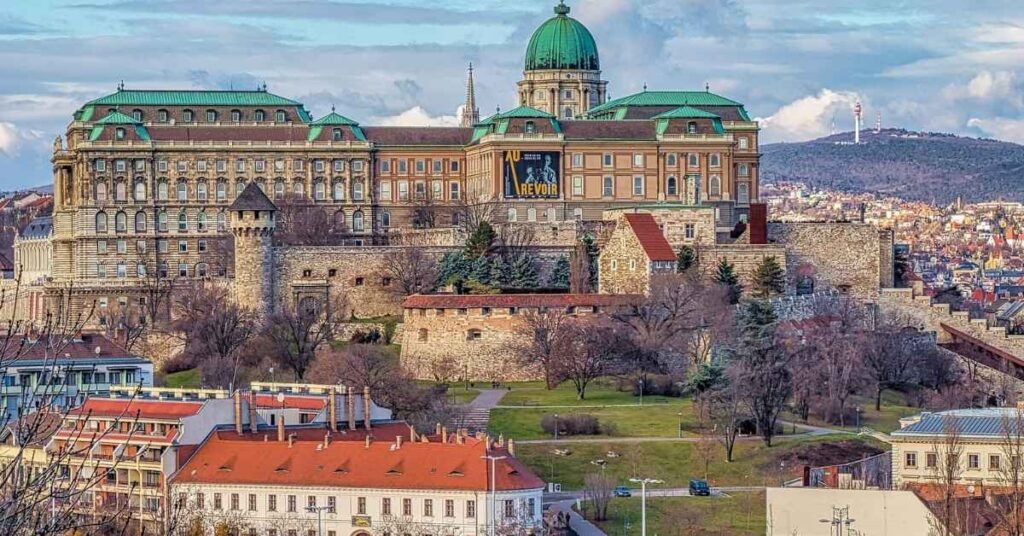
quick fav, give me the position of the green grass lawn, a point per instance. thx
(601, 392)
(658, 419)
(459, 394)
(887, 420)
(741, 514)
(186, 379)
(675, 463)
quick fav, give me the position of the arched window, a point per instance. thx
(743, 170)
(239, 187)
(531, 127)
(280, 116)
(222, 221)
(201, 192)
(339, 190)
(201, 221)
(161, 190)
(182, 222)
(357, 190)
(137, 115)
(211, 116)
(140, 270)
(163, 116)
(691, 127)
(671, 186)
(101, 223)
(299, 189)
(567, 113)
(321, 190)
(385, 219)
(743, 193)
(715, 186)
(260, 116)
(163, 270)
(222, 190)
(121, 222)
(188, 116)
(140, 222)
(279, 189)
(715, 160)
(161, 221)
(513, 214)
(337, 134)
(608, 187)
(140, 191)
(120, 191)
(670, 160)
(357, 221)
(101, 192)
(531, 214)
(202, 269)
(182, 191)
(236, 115)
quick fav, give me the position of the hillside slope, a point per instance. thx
(920, 166)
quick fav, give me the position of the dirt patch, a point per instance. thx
(823, 454)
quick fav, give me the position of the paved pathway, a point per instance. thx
(478, 414)
(580, 526)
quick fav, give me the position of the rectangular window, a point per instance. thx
(217, 501)
(182, 166)
(973, 461)
(421, 166)
(406, 507)
(471, 509)
(453, 191)
(161, 166)
(608, 186)
(311, 501)
(119, 165)
(252, 502)
(691, 231)
(339, 166)
(240, 165)
(428, 508)
(222, 166)
(910, 460)
(385, 506)
(361, 506)
(182, 246)
(638, 160)
(272, 502)
(608, 160)
(577, 160)
(385, 166)
(455, 166)
(437, 165)
(201, 166)
(403, 191)
(101, 248)
(449, 508)
(291, 503)
(510, 508)
(234, 501)
(638, 185)
(200, 501)
(332, 504)
(261, 166)
(577, 186)
(403, 166)
(298, 165)
(436, 190)
(993, 462)
(357, 165)
(278, 165)
(385, 191)
(101, 165)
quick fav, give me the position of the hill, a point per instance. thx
(912, 165)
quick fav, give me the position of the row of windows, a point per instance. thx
(404, 507)
(141, 246)
(212, 116)
(671, 160)
(995, 461)
(141, 222)
(420, 165)
(124, 270)
(242, 165)
(339, 191)
(671, 186)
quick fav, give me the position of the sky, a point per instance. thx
(936, 65)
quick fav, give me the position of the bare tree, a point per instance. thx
(302, 223)
(1008, 502)
(216, 331)
(705, 444)
(599, 489)
(590, 349)
(390, 524)
(539, 337)
(515, 241)
(127, 324)
(762, 366)
(725, 412)
(413, 269)
(948, 449)
(296, 332)
(472, 210)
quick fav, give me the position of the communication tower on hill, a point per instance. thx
(857, 118)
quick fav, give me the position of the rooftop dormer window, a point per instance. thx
(163, 116)
(187, 116)
(280, 116)
(531, 127)
(260, 116)
(691, 127)
(211, 116)
(336, 134)
(137, 115)
(119, 133)
(236, 115)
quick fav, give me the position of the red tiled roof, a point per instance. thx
(21, 347)
(145, 409)
(350, 464)
(292, 402)
(460, 301)
(651, 238)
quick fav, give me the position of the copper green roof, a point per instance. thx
(334, 119)
(667, 98)
(523, 111)
(499, 122)
(142, 97)
(686, 112)
(562, 42)
(118, 118)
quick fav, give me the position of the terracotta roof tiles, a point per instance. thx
(647, 231)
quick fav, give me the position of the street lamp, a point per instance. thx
(318, 510)
(680, 428)
(494, 490)
(640, 383)
(556, 426)
(840, 520)
(643, 500)
(858, 416)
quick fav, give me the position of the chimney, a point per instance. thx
(351, 403)
(444, 434)
(487, 443)
(412, 433)
(501, 440)
(398, 441)
(367, 440)
(459, 439)
(327, 439)
(280, 427)
(253, 426)
(511, 447)
(291, 440)
(333, 410)
(366, 406)
(238, 413)
(437, 428)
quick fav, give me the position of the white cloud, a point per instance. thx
(987, 86)
(599, 11)
(809, 117)
(10, 139)
(1000, 128)
(418, 117)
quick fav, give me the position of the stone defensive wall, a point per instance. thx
(745, 258)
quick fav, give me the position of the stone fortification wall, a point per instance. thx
(674, 221)
(853, 257)
(745, 259)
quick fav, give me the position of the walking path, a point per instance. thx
(478, 413)
(810, 431)
(580, 526)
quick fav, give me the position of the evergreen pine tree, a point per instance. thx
(501, 272)
(560, 274)
(481, 241)
(686, 259)
(768, 278)
(524, 273)
(726, 275)
(592, 253)
(454, 268)
(481, 270)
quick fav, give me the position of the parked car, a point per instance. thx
(623, 491)
(700, 488)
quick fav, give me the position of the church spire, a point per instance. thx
(470, 112)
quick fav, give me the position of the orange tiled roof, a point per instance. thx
(316, 403)
(144, 409)
(226, 459)
(651, 238)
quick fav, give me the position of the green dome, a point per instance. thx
(562, 43)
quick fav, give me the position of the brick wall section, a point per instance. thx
(744, 258)
(843, 255)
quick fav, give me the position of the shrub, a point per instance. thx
(663, 385)
(575, 424)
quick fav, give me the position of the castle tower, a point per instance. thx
(470, 112)
(562, 74)
(252, 224)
